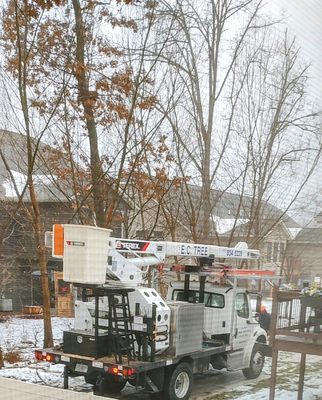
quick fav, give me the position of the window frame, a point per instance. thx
(242, 313)
(275, 251)
(206, 302)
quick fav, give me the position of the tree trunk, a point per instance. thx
(42, 259)
(87, 99)
(35, 217)
(206, 191)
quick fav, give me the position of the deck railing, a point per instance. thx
(296, 326)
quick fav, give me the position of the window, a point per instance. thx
(242, 305)
(282, 251)
(275, 252)
(142, 234)
(212, 300)
(269, 251)
(117, 230)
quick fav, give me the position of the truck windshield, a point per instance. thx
(213, 300)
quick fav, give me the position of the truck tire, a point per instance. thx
(256, 363)
(108, 385)
(178, 383)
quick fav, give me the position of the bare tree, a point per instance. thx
(111, 109)
(198, 51)
(20, 28)
(240, 118)
(276, 132)
(6, 277)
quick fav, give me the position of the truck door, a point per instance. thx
(242, 331)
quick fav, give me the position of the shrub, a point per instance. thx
(12, 357)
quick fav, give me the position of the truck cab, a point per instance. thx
(228, 318)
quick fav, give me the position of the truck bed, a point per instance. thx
(108, 361)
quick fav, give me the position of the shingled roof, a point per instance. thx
(310, 235)
(14, 156)
(227, 207)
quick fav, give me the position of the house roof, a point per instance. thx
(229, 207)
(49, 188)
(226, 204)
(13, 149)
(310, 235)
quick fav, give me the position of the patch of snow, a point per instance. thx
(25, 335)
(224, 225)
(20, 181)
(294, 232)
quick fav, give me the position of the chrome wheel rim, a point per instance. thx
(258, 362)
(182, 384)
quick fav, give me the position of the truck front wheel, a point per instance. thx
(256, 363)
(178, 384)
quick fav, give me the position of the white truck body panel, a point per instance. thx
(145, 297)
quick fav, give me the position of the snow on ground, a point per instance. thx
(287, 381)
(25, 335)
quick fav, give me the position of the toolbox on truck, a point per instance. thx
(186, 327)
(78, 342)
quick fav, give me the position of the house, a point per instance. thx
(18, 263)
(19, 272)
(261, 225)
(304, 254)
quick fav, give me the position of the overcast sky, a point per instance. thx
(304, 19)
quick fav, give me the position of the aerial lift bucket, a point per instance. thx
(84, 250)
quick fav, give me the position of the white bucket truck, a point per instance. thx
(125, 332)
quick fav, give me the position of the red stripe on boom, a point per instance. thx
(146, 245)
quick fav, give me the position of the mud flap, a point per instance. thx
(154, 380)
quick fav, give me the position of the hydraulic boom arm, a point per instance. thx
(80, 246)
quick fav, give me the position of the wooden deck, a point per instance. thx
(295, 328)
